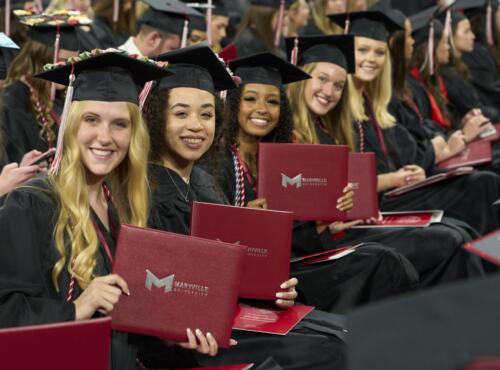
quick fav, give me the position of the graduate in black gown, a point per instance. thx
(377, 131)
(259, 111)
(59, 231)
(29, 116)
(183, 115)
(323, 116)
(260, 29)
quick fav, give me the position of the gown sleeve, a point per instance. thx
(27, 296)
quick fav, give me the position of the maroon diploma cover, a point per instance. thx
(304, 179)
(363, 176)
(266, 234)
(176, 282)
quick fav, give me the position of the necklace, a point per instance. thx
(186, 196)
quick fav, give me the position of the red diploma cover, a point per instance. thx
(363, 176)
(266, 234)
(76, 345)
(304, 179)
(324, 256)
(440, 177)
(263, 319)
(406, 219)
(476, 153)
(229, 53)
(176, 282)
(484, 363)
(487, 247)
(495, 136)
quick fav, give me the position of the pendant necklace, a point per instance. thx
(186, 179)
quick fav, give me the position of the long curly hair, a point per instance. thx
(282, 133)
(155, 115)
(30, 60)
(128, 182)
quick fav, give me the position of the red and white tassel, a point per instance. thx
(185, 31)
(347, 24)
(116, 10)
(430, 50)
(279, 27)
(447, 25)
(294, 56)
(145, 93)
(57, 48)
(489, 24)
(209, 22)
(62, 127)
(7, 17)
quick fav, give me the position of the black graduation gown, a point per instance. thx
(20, 125)
(463, 96)
(467, 198)
(371, 273)
(27, 256)
(485, 76)
(435, 251)
(313, 344)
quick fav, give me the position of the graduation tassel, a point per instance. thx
(145, 93)
(430, 50)
(489, 24)
(57, 47)
(295, 51)
(185, 30)
(62, 127)
(116, 10)
(209, 22)
(347, 24)
(447, 25)
(7, 17)
(281, 18)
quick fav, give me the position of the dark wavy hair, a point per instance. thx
(155, 116)
(282, 133)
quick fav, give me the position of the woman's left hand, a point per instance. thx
(416, 173)
(287, 299)
(346, 202)
(201, 343)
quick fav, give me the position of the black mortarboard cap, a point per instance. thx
(220, 9)
(47, 36)
(420, 25)
(266, 68)
(439, 329)
(112, 76)
(336, 49)
(197, 67)
(7, 50)
(473, 7)
(272, 3)
(371, 24)
(167, 15)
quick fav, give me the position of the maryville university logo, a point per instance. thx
(169, 284)
(300, 181)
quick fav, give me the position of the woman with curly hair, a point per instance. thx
(29, 116)
(183, 114)
(257, 112)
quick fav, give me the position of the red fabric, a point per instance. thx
(437, 114)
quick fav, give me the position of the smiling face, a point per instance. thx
(370, 58)
(324, 90)
(190, 123)
(259, 111)
(103, 136)
(463, 37)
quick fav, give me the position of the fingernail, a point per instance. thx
(198, 331)
(279, 295)
(209, 335)
(279, 301)
(284, 286)
(188, 331)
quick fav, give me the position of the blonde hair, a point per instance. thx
(380, 92)
(321, 19)
(130, 196)
(338, 121)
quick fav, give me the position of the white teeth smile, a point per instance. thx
(259, 122)
(102, 152)
(192, 140)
